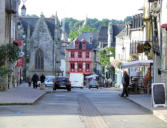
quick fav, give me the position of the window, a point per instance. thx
(72, 66)
(79, 67)
(79, 54)
(87, 54)
(39, 60)
(72, 54)
(87, 66)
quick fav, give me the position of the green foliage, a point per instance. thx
(105, 54)
(92, 25)
(87, 28)
(127, 19)
(3, 55)
(9, 54)
(12, 52)
(73, 35)
(76, 33)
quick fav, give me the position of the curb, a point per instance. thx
(150, 110)
(40, 97)
(36, 100)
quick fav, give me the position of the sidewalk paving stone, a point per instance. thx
(20, 95)
(145, 100)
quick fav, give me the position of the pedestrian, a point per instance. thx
(42, 79)
(29, 81)
(125, 82)
(35, 79)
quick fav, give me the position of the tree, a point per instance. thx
(87, 28)
(76, 32)
(73, 35)
(105, 54)
(127, 19)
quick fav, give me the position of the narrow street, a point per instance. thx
(80, 108)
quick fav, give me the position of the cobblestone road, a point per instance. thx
(81, 108)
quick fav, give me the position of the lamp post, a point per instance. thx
(23, 9)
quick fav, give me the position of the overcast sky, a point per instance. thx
(79, 9)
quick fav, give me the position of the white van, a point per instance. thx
(77, 80)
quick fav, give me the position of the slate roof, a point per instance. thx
(31, 21)
(122, 33)
(86, 36)
(103, 34)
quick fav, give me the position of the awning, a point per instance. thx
(137, 63)
(92, 76)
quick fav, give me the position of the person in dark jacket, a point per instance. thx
(35, 79)
(42, 78)
(125, 82)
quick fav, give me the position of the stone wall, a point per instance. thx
(41, 39)
(2, 23)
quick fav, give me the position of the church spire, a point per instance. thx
(86, 21)
(57, 22)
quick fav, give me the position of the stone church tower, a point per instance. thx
(43, 45)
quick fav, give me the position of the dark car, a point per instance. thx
(62, 83)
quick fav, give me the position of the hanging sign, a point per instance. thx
(147, 47)
(20, 62)
(140, 48)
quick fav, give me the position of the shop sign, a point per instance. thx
(147, 47)
(140, 48)
(20, 62)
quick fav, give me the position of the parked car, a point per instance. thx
(49, 81)
(62, 83)
(93, 84)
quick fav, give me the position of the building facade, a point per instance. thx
(79, 57)
(8, 24)
(43, 42)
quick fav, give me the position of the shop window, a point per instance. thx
(72, 67)
(87, 66)
(79, 67)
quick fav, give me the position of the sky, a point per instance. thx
(79, 9)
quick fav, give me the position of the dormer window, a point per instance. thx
(76, 44)
(83, 44)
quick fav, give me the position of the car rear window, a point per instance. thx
(62, 79)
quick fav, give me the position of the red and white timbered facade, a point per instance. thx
(80, 58)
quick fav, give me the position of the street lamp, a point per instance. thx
(23, 9)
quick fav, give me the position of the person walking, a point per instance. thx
(42, 79)
(35, 79)
(125, 82)
(29, 81)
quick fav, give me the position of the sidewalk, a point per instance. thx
(144, 100)
(21, 95)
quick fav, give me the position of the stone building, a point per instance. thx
(8, 24)
(43, 41)
(155, 19)
(8, 16)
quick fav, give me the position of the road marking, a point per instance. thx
(90, 115)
